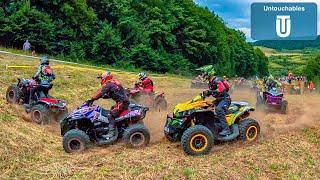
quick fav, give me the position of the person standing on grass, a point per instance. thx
(33, 51)
(26, 45)
(311, 86)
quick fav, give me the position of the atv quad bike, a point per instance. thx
(272, 100)
(89, 124)
(156, 101)
(43, 108)
(195, 124)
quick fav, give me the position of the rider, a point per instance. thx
(218, 89)
(114, 90)
(271, 83)
(146, 83)
(44, 76)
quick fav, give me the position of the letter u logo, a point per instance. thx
(283, 26)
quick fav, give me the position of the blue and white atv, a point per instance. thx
(89, 124)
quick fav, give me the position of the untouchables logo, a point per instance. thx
(283, 26)
(283, 21)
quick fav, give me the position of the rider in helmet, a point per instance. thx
(219, 91)
(114, 90)
(146, 83)
(271, 83)
(44, 76)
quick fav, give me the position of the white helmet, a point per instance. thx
(142, 75)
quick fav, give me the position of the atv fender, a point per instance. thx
(242, 111)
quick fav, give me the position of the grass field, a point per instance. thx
(280, 62)
(288, 148)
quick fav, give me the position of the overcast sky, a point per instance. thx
(236, 13)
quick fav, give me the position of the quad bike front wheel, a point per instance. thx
(249, 130)
(13, 94)
(284, 107)
(40, 114)
(136, 136)
(197, 140)
(75, 141)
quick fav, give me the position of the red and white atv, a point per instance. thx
(44, 108)
(153, 100)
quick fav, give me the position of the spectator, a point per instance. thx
(33, 51)
(311, 87)
(26, 46)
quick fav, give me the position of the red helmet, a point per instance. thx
(105, 77)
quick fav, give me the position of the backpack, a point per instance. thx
(47, 71)
(226, 85)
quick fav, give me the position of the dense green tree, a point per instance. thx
(312, 69)
(157, 35)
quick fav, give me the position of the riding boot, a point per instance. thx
(111, 125)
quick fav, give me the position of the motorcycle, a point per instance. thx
(89, 123)
(43, 108)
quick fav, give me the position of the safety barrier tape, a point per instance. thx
(89, 67)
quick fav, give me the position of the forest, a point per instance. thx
(289, 44)
(163, 36)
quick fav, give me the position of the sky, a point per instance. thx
(236, 13)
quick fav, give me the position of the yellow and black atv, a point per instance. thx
(195, 124)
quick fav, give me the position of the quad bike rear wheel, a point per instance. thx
(75, 141)
(284, 107)
(13, 94)
(249, 130)
(40, 114)
(197, 140)
(136, 136)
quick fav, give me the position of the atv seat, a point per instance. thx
(126, 114)
(123, 113)
(104, 112)
(232, 109)
(274, 94)
(235, 106)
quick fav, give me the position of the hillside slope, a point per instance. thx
(291, 45)
(289, 146)
(155, 35)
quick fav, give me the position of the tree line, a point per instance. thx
(289, 44)
(162, 36)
